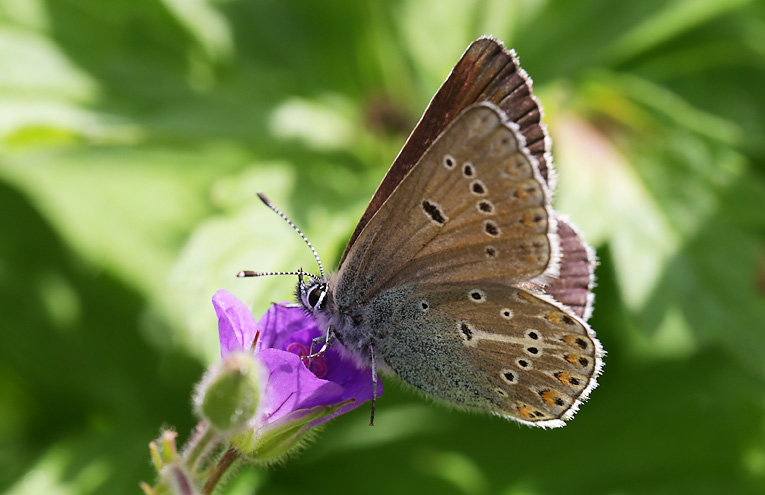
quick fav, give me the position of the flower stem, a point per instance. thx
(201, 444)
(224, 463)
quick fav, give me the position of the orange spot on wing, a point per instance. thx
(578, 360)
(556, 318)
(549, 397)
(525, 412)
(564, 377)
(528, 219)
(575, 341)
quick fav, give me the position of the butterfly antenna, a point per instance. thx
(250, 273)
(268, 203)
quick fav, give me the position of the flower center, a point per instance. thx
(318, 365)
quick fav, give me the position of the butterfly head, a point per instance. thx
(311, 292)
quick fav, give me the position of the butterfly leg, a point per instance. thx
(327, 340)
(287, 305)
(374, 384)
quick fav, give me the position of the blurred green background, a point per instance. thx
(135, 133)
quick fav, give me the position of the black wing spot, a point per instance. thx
(477, 295)
(465, 329)
(485, 206)
(477, 187)
(491, 228)
(433, 211)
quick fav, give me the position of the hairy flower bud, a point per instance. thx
(228, 395)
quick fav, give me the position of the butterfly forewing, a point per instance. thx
(474, 208)
(488, 72)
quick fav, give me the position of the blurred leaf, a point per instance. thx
(207, 24)
(142, 202)
(659, 203)
(670, 20)
(320, 126)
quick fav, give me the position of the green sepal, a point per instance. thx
(279, 439)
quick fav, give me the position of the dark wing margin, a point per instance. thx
(573, 287)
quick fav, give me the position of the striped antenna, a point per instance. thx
(249, 273)
(302, 236)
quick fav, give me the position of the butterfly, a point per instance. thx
(460, 277)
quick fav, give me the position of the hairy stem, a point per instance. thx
(201, 444)
(224, 463)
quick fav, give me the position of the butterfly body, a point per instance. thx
(461, 278)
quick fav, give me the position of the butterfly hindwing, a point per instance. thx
(574, 284)
(518, 355)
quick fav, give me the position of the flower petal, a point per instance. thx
(291, 387)
(236, 325)
(283, 324)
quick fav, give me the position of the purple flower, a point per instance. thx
(293, 398)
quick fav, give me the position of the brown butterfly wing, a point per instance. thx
(486, 72)
(518, 355)
(573, 286)
(474, 208)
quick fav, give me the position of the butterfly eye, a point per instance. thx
(314, 295)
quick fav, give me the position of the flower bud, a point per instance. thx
(228, 395)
